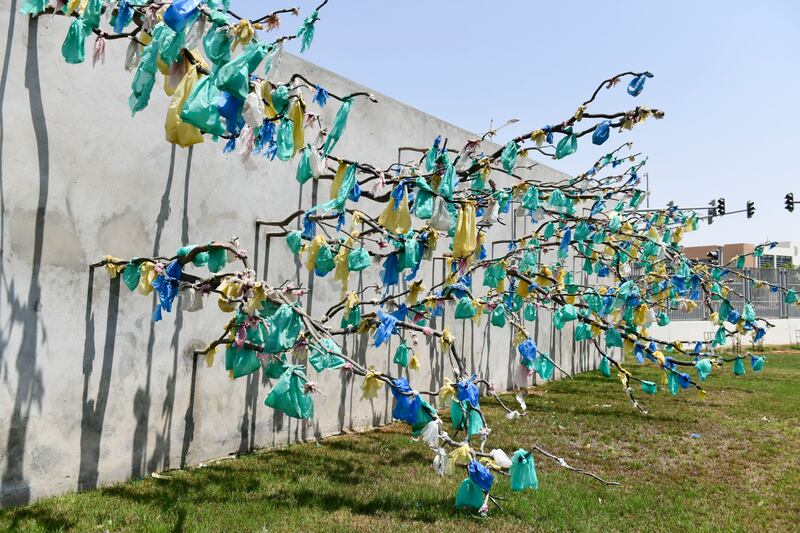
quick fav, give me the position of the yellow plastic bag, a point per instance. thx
(371, 386)
(177, 131)
(466, 238)
(297, 115)
(396, 220)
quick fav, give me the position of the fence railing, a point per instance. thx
(767, 303)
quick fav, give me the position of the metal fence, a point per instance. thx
(767, 303)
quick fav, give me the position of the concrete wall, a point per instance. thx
(785, 331)
(92, 391)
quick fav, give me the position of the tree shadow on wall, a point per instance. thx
(14, 487)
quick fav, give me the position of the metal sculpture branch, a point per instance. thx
(439, 206)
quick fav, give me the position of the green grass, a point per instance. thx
(742, 473)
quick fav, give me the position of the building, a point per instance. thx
(785, 255)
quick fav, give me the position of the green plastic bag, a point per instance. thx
(499, 316)
(280, 98)
(523, 471)
(304, 172)
(91, 15)
(544, 367)
(721, 337)
(284, 327)
(145, 77)
(493, 274)
(663, 319)
(738, 367)
(475, 423)
(401, 355)
(530, 312)
(201, 107)
(509, 156)
(566, 313)
(791, 296)
(757, 363)
(465, 309)
(294, 241)
(241, 361)
(423, 418)
(171, 44)
(131, 276)
(324, 262)
(605, 367)
(703, 367)
(673, 384)
(748, 313)
(217, 259)
(339, 124)
(234, 76)
(289, 396)
(326, 356)
(285, 140)
(33, 7)
(531, 199)
(74, 47)
(469, 495)
(217, 45)
(648, 387)
(275, 368)
(352, 318)
(613, 338)
(358, 260)
(423, 202)
(457, 415)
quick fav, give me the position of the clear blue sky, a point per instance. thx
(727, 73)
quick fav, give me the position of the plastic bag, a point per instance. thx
(440, 217)
(91, 14)
(274, 368)
(401, 355)
(636, 85)
(648, 387)
(509, 156)
(567, 145)
(289, 396)
(131, 276)
(406, 406)
(469, 495)
(339, 124)
(480, 475)
(326, 356)
(523, 471)
(201, 107)
(673, 383)
(217, 45)
(738, 367)
(285, 140)
(253, 108)
(304, 170)
(465, 309)
(703, 367)
(33, 7)
(466, 237)
(396, 216)
(544, 367)
(530, 312)
(757, 363)
(527, 353)
(177, 131)
(499, 316)
(74, 47)
(457, 414)
(531, 199)
(241, 361)
(358, 260)
(423, 202)
(605, 367)
(601, 133)
(234, 76)
(284, 328)
(306, 31)
(181, 13)
(324, 262)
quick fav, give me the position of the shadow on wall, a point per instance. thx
(14, 487)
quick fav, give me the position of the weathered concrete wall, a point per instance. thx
(92, 391)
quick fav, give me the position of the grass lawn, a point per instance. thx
(741, 473)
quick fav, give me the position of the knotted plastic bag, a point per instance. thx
(544, 367)
(466, 237)
(648, 387)
(325, 356)
(636, 85)
(601, 133)
(480, 475)
(339, 124)
(401, 355)
(673, 383)
(703, 367)
(469, 495)
(201, 107)
(523, 471)
(465, 309)
(757, 363)
(275, 368)
(358, 260)
(530, 312)
(407, 402)
(181, 13)
(423, 202)
(33, 7)
(131, 276)
(73, 49)
(241, 361)
(284, 327)
(304, 170)
(499, 316)
(396, 216)
(233, 77)
(217, 45)
(177, 131)
(289, 396)
(527, 353)
(509, 156)
(306, 31)
(605, 367)
(285, 140)
(567, 145)
(738, 367)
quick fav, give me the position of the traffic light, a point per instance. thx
(790, 202)
(711, 213)
(751, 208)
(721, 206)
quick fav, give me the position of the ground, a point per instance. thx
(728, 462)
